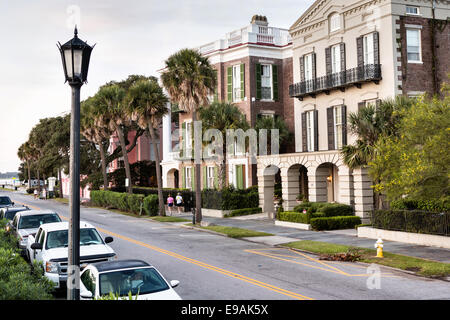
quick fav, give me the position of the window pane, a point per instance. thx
(413, 44)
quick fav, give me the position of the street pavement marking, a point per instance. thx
(207, 266)
(332, 269)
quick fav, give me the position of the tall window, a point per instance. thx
(188, 125)
(338, 123)
(237, 83)
(368, 49)
(310, 130)
(266, 82)
(413, 45)
(188, 177)
(336, 58)
(335, 22)
(210, 177)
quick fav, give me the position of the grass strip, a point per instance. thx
(420, 266)
(233, 232)
(168, 219)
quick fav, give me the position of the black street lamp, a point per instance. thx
(75, 56)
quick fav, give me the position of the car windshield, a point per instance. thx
(10, 215)
(137, 281)
(35, 220)
(5, 201)
(60, 238)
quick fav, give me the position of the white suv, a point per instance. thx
(50, 246)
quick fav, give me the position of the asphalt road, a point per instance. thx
(214, 267)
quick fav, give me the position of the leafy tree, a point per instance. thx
(189, 79)
(415, 162)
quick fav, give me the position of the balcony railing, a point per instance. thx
(340, 80)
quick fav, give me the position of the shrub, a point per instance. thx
(243, 212)
(336, 209)
(19, 281)
(431, 205)
(292, 216)
(230, 198)
(134, 202)
(416, 221)
(151, 205)
(335, 223)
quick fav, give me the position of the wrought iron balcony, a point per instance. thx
(341, 80)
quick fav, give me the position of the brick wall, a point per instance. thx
(419, 77)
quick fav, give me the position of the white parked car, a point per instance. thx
(26, 223)
(123, 277)
(50, 246)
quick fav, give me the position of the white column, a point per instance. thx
(290, 183)
(167, 132)
(363, 193)
(345, 186)
(317, 184)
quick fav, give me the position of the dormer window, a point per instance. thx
(335, 22)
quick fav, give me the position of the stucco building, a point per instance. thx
(348, 54)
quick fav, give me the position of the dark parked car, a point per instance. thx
(9, 213)
(5, 202)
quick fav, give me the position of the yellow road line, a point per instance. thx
(318, 261)
(210, 267)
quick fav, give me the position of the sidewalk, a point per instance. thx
(260, 222)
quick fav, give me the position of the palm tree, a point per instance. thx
(94, 127)
(24, 155)
(275, 122)
(147, 104)
(189, 79)
(222, 116)
(111, 105)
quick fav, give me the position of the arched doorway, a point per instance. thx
(173, 180)
(327, 183)
(271, 178)
(295, 183)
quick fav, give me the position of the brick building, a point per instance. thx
(254, 71)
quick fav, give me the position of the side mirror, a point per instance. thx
(12, 203)
(36, 246)
(109, 239)
(174, 283)
(86, 294)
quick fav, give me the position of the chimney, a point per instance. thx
(260, 20)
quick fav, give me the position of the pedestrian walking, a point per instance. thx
(170, 202)
(44, 194)
(179, 202)
(35, 194)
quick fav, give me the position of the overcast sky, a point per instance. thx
(132, 37)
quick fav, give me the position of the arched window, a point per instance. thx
(335, 22)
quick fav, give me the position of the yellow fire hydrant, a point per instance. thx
(379, 247)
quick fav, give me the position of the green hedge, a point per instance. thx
(415, 221)
(292, 216)
(243, 212)
(18, 279)
(230, 198)
(425, 205)
(125, 202)
(323, 209)
(335, 223)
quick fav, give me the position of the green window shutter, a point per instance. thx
(258, 81)
(183, 173)
(239, 177)
(205, 177)
(183, 142)
(216, 95)
(242, 81)
(193, 179)
(275, 82)
(216, 177)
(230, 83)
